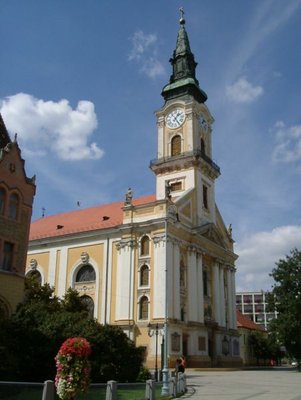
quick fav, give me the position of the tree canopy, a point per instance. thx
(31, 338)
(285, 298)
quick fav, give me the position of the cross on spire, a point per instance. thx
(182, 20)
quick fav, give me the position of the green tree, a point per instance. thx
(259, 345)
(30, 339)
(285, 298)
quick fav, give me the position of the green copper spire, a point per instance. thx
(183, 80)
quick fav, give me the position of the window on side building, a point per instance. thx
(13, 208)
(8, 256)
(2, 201)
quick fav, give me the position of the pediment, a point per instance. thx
(210, 232)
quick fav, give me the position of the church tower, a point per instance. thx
(184, 157)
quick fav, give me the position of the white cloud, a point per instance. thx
(141, 43)
(144, 53)
(153, 68)
(48, 126)
(288, 142)
(258, 254)
(242, 91)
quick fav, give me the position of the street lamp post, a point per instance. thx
(150, 334)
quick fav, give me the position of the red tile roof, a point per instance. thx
(244, 322)
(83, 220)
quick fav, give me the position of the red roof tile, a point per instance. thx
(83, 220)
(244, 322)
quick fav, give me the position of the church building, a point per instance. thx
(16, 197)
(164, 260)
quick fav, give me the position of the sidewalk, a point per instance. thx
(276, 383)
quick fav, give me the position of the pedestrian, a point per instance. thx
(183, 362)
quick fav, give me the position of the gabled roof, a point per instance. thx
(246, 323)
(4, 136)
(82, 220)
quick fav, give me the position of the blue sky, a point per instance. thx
(80, 82)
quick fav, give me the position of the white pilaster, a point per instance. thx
(192, 286)
(216, 292)
(234, 325)
(160, 126)
(62, 272)
(200, 288)
(222, 299)
(159, 277)
(105, 283)
(229, 297)
(176, 283)
(52, 266)
(170, 279)
(124, 284)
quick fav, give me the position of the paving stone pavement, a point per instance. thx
(279, 383)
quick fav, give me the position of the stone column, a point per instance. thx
(234, 322)
(192, 285)
(200, 287)
(229, 298)
(176, 297)
(216, 292)
(222, 299)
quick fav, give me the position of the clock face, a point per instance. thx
(203, 123)
(175, 118)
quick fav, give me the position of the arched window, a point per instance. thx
(203, 147)
(13, 206)
(2, 201)
(34, 274)
(144, 275)
(85, 274)
(176, 145)
(89, 303)
(144, 246)
(143, 308)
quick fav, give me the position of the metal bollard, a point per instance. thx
(173, 387)
(111, 393)
(150, 392)
(48, 390)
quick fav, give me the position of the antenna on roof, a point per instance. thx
(43, 212)
(78, 203)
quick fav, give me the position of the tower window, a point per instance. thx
(176, 145)
(144, 246)
(13, 206)
(203, 147)
(144, 275)
(205, 197)
(143, 308)
(175, 186)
